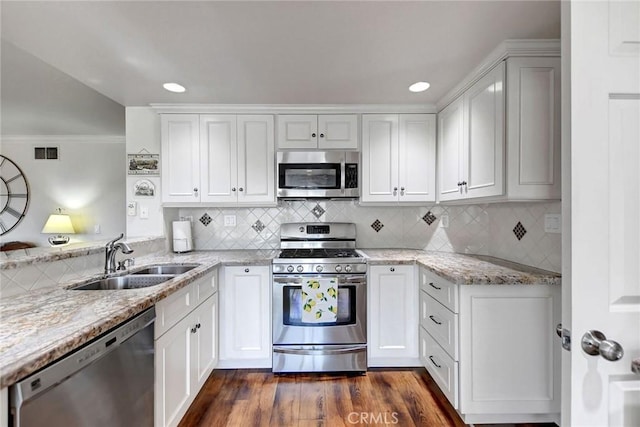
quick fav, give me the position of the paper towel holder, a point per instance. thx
(182, 239)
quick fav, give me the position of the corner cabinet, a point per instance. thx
(186, 347)
(392, 327)
(398, 158)
(492, 349)
(245, 317)
(487, 154)
(218, 159)
(310, 131)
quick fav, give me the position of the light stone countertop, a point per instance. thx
(40, 327)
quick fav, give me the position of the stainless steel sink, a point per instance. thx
(125, 282)
(165, 269)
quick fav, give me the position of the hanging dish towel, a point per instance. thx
(320, 300)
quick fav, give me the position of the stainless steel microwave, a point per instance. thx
(318, 174)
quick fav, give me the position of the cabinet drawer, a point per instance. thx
(443, 369)
(443, 291)
(206, 286)
(173, 308)
(441, 323)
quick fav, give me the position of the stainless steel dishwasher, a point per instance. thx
(108, 382)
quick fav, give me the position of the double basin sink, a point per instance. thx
(143, 278)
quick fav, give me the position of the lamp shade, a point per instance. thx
(58, 224)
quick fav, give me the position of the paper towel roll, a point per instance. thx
(182, 241)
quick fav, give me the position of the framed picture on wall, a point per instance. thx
(143, 164)
(144, 188)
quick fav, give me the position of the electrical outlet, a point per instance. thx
(444, 221)
(144, 212)
(229, 220)
(97, 229)
(553, 223)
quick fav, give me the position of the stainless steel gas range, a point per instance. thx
(319, 300)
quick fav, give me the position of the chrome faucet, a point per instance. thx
(110, 253)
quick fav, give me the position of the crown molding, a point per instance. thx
(61, 139)
(506, 49)
(294, 108)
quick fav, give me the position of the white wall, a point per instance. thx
(86, 181)
(143, 133)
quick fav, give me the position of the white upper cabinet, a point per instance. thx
(180, 145)
(398, 158)
(471, 141)
(310, 131)
(218, 158)
(500, 139)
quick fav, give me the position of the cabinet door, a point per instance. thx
(173, 389)
(219, 158)
(450, 146)
(379, 158)
(338, 131)
(256, 159)
(483, 156)
(204, 342)
(533, 131)
(509, 362)
(180, 158)
(298, 131)
(393, 319)
(245, 325)
(417, 158)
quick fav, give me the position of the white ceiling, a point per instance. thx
(266, 52)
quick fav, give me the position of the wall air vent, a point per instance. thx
(46, 153)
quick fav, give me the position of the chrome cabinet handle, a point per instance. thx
(392, 269)
(322, 135)
(240, 189)
(395, 191)
(194, 330)
(233, 189)
(596, 343)
(195, 192)
(313, 135)
(246, 270)
(434, 362)
(433, 319)
(635, 366)
(402, 191)
(434, 286)
(198, 325)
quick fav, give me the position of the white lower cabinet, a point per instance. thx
(245, 317)
(186, 351)
(492, 350)
(392, 314)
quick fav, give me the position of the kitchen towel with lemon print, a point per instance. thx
(320, 300)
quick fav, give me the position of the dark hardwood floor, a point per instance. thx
(243, 398)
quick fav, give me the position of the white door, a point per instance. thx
(393, 332)
(450, 146)
(483, 165)
(180, 158)
(204, 341)
(605, 210)
(338, 131)
(379, 158)
(417, 158)
(297, 131)
(218, 158)
(256, 159)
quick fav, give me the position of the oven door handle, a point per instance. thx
(354, 279)
(320, 352)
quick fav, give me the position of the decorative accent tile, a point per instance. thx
(377, 225)
(429, 218)
(317, 211)
(205, 219)
(519, 230)
(258, 226)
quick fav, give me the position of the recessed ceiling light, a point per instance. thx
(174, 87)
(419, 87)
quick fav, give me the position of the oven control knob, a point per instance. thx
(290, 268)
(319, 268)
(347, 268)
(300, 269)
(338, 268)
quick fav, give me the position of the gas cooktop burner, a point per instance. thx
(318, 253)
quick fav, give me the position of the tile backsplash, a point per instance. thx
(475, 229)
